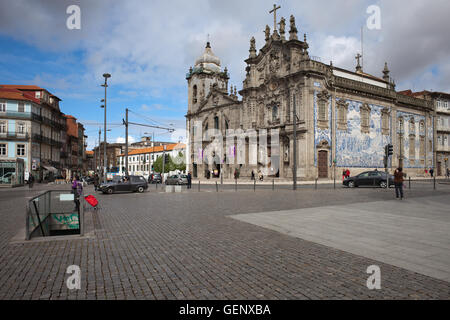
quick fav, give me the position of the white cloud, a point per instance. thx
(148, 46)
(131, 139)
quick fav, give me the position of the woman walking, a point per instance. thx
(398, 181)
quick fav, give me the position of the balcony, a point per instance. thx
(441, 148)
(20, 115)
(14, 136)
(443, 128)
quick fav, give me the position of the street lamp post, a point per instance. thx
(106, 76)
(164, 161)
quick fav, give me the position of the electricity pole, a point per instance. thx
(294, 121)
(127, 123)
(98, 151)
(126, 142)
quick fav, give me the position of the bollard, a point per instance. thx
(235, 184)
(434, 183)
(273, 185)
(254, 185)
(198, 185)
(315, 185)
(409, 180)
(217, 187)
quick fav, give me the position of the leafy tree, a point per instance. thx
(176, 163)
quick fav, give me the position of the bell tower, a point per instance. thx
(205, 74)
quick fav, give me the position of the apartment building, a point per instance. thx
(31, 126)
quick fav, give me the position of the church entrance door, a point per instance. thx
(322, 164)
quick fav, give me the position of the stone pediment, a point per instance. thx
(216, 98)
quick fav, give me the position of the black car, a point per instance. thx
(131, 184)
(369, 179)
(155, 178)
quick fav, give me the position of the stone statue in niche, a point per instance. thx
(286, 153)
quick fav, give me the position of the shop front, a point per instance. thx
(12, 172)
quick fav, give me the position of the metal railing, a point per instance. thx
(54, 211)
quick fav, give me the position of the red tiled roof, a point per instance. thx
(169, 147)
(27, 88)
(90, 152)
(14, 94)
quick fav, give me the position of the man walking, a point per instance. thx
(398, 181)
(189, 180)
(431, 172)
(96, 181)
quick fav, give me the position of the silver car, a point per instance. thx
(177, 179)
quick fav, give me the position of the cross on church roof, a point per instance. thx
(358, 67)
(274, 10)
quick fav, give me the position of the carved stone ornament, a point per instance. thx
(274, 63)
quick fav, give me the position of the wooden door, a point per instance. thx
(322, 164)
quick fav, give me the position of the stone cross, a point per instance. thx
(358, 67)
(274, 10)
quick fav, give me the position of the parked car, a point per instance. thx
(177, 179)
(132, 184)
(369, 179)
(88, 180)
(155, 178)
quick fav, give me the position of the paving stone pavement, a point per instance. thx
(185, 246)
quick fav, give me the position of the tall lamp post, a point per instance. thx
(106, 76)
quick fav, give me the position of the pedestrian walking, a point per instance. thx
(431, 172)
(253, 175)
(189, 180)
(77, 190)
(30, 181)
(347, 173)
(398, 182)
(448, 173)
(260, 175)
(96, 182)
(344, 174)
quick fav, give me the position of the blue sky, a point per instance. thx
(148, 46)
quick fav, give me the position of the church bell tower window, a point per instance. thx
(194, 94)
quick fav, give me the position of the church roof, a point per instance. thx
(208, 61)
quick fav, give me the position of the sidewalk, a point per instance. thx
(285, 181)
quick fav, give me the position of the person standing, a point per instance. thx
(189, 180)
(96, 181)
(77, 190)
(398, 182)
(30, 181)
(431, 172)
(253, 175)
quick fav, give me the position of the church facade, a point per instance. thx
(343, 119)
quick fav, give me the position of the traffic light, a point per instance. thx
(390, 148)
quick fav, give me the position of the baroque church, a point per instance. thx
(343, 118)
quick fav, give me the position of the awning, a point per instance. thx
(50, 168)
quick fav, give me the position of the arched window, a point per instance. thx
(194, 94)
(216, 122)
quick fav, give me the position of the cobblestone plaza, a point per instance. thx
(195, 245)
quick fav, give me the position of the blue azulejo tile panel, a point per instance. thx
(356, 149)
